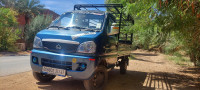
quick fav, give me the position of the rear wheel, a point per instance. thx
(98, 80)
(123, 66)
(43, 77)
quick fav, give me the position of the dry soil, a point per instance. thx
(148, 71)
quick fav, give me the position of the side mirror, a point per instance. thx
(114, 29)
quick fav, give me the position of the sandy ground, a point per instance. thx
(147, 71)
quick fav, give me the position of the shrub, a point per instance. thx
(8, 29)
(38, 23)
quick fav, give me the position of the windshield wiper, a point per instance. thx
(78, 27)
(83, 28)
(55, 27)
(93, 30)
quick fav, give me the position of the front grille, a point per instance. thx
(65, 48)
(57, 64)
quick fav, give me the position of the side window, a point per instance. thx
(109, 25)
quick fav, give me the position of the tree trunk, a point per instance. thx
(193, 58)
(25, 30)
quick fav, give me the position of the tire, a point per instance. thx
(43, 77)
(123, 66)
(100, 75)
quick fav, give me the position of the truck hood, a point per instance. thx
(79, 36)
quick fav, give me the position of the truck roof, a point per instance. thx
(90, 12)
(115, 10)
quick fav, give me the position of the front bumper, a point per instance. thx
(86, 74)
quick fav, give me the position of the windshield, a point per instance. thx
(80, 20)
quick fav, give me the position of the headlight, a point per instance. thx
(37, 42)
(87, 47)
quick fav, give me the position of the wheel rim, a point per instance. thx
(98, 79)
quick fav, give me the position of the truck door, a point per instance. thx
(110, 54)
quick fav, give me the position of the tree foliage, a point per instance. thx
(38, 23)
(28, 8)
(8, 29)
(165, 23)
(8, 3)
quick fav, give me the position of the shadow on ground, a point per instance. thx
(65, 84)
(147, 61)
(192, 70)
(133, 80)
(150, 81)
(143, 54)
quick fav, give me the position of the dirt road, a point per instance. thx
(146, 71)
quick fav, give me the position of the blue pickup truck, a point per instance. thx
(82, 44)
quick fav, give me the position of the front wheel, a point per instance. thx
(98, 80)
(43, 77)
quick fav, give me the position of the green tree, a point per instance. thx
(165, 21)
(8, 3)
(8, 29)
(38, 23)
(147, 35)
(28, 8)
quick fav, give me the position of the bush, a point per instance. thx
(8, 29)
(38, 23)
